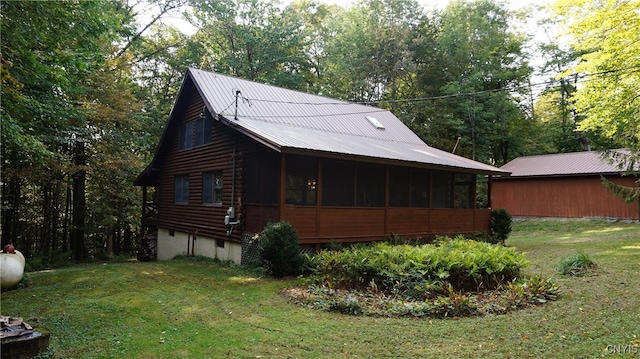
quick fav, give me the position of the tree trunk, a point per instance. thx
(11, 193)
(110, 232)
(79, 204)
(65, 223)
(56, 211)
(126, 243)
(47, 214)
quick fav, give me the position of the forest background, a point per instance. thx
(87, 87)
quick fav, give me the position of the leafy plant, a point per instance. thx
(347, 305)
(419, 272)
(576, 265)
(500, 224)
(279, 250)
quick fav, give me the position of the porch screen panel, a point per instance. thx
(420, 187)
(463, 191)
(253, 179)
(442, 190)
(399, 186)
(302, 181)
(370, 185)
(271, 178)
(261, 179)
(338, 183)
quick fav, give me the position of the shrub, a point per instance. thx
(500, 224)
(576, 265)
(279, 250)
(419, 272)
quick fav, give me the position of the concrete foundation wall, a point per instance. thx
(171, 244)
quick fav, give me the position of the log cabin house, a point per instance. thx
(567, 185)
(237, 154)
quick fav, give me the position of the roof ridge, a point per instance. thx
(335, 101)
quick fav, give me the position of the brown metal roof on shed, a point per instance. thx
(562, 164)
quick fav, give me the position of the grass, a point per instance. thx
(190, 309)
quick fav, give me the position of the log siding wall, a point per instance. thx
(582, 196)
(206, 219)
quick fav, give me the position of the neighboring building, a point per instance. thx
(562, 185)
(337, 171)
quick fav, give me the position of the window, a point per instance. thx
(302, 181)
(420, 188)
(181, 194)
(463, 190)
(338, 183)
(442, 189)
(399, 186)
(212, 188)
(195, 133)
(370, 185)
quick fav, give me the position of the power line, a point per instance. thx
(576, 77)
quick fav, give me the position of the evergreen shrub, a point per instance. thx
(500, 225)
(279, 250)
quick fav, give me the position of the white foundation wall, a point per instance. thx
(170, 246)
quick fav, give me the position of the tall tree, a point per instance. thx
(49, 72)
(369, 53)
(608, 33)
(484, 64)
(253, 39)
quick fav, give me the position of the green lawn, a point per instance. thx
(199, 309)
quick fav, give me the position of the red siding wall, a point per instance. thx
(583, 196)
(323, 224)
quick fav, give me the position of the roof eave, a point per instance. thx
(234, 125)
(562, 175)
(388, 161)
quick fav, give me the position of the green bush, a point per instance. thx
(419, 272)
(576, 265)
(279, 250)
(500, 225)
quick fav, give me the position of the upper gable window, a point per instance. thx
(195, 133)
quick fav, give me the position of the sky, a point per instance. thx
(441, 4)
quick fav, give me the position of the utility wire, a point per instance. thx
(575, 77)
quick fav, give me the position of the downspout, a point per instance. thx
(233, 167)
(230, 218)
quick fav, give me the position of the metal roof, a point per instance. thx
(561, 164)
(286, 119)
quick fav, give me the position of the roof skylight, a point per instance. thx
(374, 121)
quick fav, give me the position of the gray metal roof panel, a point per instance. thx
(293, 119)
(314, 140)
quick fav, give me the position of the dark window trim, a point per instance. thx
(206, 133)
(216, 200)
(180, 187)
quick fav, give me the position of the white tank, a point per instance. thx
(11, 269)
